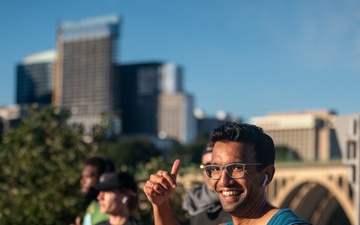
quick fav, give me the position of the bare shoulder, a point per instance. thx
(271, 213)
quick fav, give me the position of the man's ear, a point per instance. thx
(265, 180)
(269, 175)
(124, 200)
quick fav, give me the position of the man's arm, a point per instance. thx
(164, 214)
(158, 190)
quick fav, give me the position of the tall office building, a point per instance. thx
(308, 133)
(147, 90)
(34, 78)
(175, 117)
(85, 76)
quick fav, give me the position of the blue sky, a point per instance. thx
(247, 58)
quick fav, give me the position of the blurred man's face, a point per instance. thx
(206, 160)
(89, 177)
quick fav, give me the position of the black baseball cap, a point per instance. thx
(113, 181)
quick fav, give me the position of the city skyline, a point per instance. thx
(247, 59)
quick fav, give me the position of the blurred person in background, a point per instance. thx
(90, 175)
(201, 202)
(118, 197)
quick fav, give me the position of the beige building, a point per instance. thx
(175, 117)
(309, 133)
(85, 79)
(348, 134)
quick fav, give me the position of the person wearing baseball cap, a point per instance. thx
(118, 197)
(93, 169)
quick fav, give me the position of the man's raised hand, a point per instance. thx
(161, 185)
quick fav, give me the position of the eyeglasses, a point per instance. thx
(202, 166)
(234, 170)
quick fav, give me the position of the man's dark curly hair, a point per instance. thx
(243, 132)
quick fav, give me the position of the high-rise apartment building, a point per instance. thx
(34, 78)
(308, 133)
(85, 74)
(150, 91)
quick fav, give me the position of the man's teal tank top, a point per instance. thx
(283, 217)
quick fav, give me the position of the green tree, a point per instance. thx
(40, 169)
(189, 153)
(129, 152)
(283, 153)
(143, 173)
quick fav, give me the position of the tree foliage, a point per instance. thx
(143, 173)
(42, 158)
(40, 168)
(129, 152)
(283, 153)
(189, 153)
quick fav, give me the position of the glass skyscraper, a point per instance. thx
(141, 85)
(34, 79)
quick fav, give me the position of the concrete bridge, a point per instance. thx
(318, 192)
(324, 193)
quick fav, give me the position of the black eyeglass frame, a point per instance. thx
(207, 169)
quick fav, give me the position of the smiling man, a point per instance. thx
(242, 165)
(201, 202)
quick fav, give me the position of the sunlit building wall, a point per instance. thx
(175, 117)
(85, 74)
(309, 133)
(348, 133)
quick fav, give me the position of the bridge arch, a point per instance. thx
(316, 198)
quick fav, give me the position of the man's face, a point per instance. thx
(89, 177)
(110, 202)
(239, 196)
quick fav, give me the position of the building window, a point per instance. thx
(351, 150)
(355, 126)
